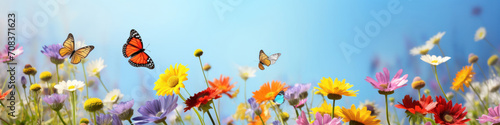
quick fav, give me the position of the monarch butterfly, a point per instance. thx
(134, 49)
(75, 55)
(267, 60)
(279, 99)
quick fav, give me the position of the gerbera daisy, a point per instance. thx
(434, 60)
(424, 106)
(480, 34)
(223, 84)
(358, 116)
(385, 84)
(202, 98)
(95, 67)
(463, 77)
(172, 80)
(325, 108)
(421, 50)
(436, 38)
(446, 113)
(493, 116)
(268, 92)
(70, 85)
(155, 111)
(335, 89)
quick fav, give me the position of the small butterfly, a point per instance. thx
(267, 60)
(134, 49)
(280, 98)
(75, 55)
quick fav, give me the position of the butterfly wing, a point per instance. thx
(261, 67)
(142, 60)
(264, 59)
(273, 58)
(68, 46)
(134, 44)
(280, 98)
(81, 53)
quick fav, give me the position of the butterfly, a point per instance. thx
(267, 60)
(279, 99)
(75, 55)
(134, 49)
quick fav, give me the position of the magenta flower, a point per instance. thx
(5, 56)
(301, 103)
(493, 116)
(320, 120)
(385, 83)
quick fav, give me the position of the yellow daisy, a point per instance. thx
(240, 113)
(463, 77)
(335, 89)
(358, 116)
(172, 80)
(325, 108)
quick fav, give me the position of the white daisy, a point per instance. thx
(422, 50)
(480, 34)
(112, 98)
(493, 83)
(436, 38)
(433, 60)
(247, 72)
(70, 85)
(95, 67)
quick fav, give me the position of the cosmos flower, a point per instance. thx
(172, 80)
(155, 111)
(446, 113)
(436, 38)
(325, 108)
(202, 98)
(480, 34)
(433, 60)
(95, 67)
(70, 85)
(113, 97)
(268, 92)
(223, 84)
(55, 101)
(6, 53)
(358, 116)
(123, 110)
(247, 72)
(424, 106)
(335, 89)
(385, 83)
(493, 116)
(421, 50)
(463, 77)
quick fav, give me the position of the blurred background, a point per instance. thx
(316, 39)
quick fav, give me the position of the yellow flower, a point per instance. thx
(45, 76)
(29, 70)
(358, 116)
(240, 112)
(492, 60)
(172, 80)
(35, 87)
(463, 77)
(84, 120)
(93, 104)
(198, 52)
(325, 109)
(335, 90)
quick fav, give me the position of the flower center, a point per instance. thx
(94, 70)
(159, 114)
(481, 34)
(71, 87)
(424, 51)
(434, 61)
(173, 81)
(113, 97)
(384, 85)
(448, 118)
(270, 95)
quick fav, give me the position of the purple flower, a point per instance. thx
(254, 107)
(55, 101)
(6, 53)
(276, 122)
(24, 81)
(292, 93)
(107, 119)
(320, 120)
(123, 110)
(155, 111)
(52, 51)
(493, 116)
(385, 84)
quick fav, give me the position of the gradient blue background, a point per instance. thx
(307, 33)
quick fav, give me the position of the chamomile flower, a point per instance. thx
(434, 60)
(436, 38)
(112, 97)
(421, 50)
(70, 85)
(480, 34)
(95, 67)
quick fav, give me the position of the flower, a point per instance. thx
(8, 55)
(446, 113)
(433, 60)
(55, 101)
(493, 83)
(35, 87)
(424, 106)
(247, 72)
(385, 83)
(480, 34)
(93, 104)
(24, 81)
(198, 52)
(107, 119)
(335, 89)
(493, 116)
(202, 98)
(2, 96)
(207, 67)
(52, 51)
(325, 108)
(436, 38)
(325, 119)
(172, 80)
(492, 60)
(371, 106)
(29, 70)
(284, 116)
(268, 92)
(84, 120)
(45, 76)
(240, 113)
(155, 111)
(473, 58)
(302, 119)
(292, 95)
(112, 98)
(254, 107)
(421, 50)
(463, 77)
(123, 110)
(223, 84)
(418, 83)
(301, 103)
(70, 85)
(359, 116)
(265, 115)
(95, 67)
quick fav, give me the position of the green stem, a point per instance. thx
(262, 120)
(296, 112)
(419, 94)
(396, 114)
(187, 91)
(245, 93)
(447, 68)
(29, 77)
(473, 89)
(130, 121)
(387, 110)
(5, 121)
(60, 117)
(491, 44)
(196, 111)
(484, 74)
(21, 100)
(57, 73)
(308, 114)
(437, 79)
(201, 65)
(28, 99)
(99, 77)
(164, 123)
(333, 109)
(179, 116)
(95, 118)
(277, 114)
(211, 119)
(73, 104)
(86, 83)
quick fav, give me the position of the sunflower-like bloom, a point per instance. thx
(335, 89)
(463, 77)
(223, 84)
(423, 106)
(202, 98)
(268, 92)
(358, 116)
(172, 80)
(325, 108)
(446, 113)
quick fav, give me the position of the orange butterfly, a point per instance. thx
(134, 49)
(267, 60)
(75, 55)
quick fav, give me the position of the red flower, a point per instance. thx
(424, 106)
(202, 97)
(223, 84)
(2, 96)
(446, 113)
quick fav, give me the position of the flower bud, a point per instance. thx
(473, 58)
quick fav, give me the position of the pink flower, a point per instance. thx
(320, 120)
(385, 83)
(301, 103)
(493, 116)
(4, 54)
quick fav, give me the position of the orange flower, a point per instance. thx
(2, 96)
(268, 92)
(223, 84)
(464, 76)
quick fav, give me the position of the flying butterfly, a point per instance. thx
(134, 49)
(280, 98)
(267, 60)
(75, 55)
